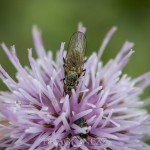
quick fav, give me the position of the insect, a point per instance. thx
(74, 61)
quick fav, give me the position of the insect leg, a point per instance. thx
(65, 68)
(63, 80)
(84, 70)
(64, 65)
(64, 93)
(64, 60)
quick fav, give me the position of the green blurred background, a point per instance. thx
(58, 20)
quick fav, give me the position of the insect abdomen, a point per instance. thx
(71, 81)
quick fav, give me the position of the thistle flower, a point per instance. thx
(39, 116)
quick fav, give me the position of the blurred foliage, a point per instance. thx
(58, 20)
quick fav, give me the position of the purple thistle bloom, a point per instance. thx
(41, 117)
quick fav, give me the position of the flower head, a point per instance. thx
(103, 112)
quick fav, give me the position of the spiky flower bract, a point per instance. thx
(38, 115)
